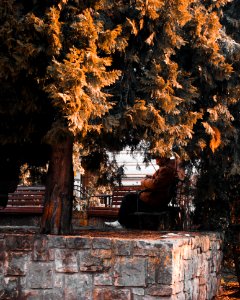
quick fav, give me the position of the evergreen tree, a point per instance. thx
(105, 74)
(218, 186)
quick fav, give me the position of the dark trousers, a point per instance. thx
(130, 204)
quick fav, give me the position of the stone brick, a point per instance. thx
(52, 294)
(42, 294)
(148, 297)
(66, 261)
(152, 267)
(130, 271)
(10, 288)
(178, 287)
(217, 262)
(3, 255)
(150, 248)
(78, 286)
(195, 242)
(138, 291)
(124, 248)
(188, 296)
(195, 292)
(102, 253)
(1, 284)
(79, 243)
(110, 294)
(203, 279)
(2, 245)
(40, 249)
(179, 296)
(205, 243)
(189, 269)
(187, 252)
(164, 276)
(202, 292)
(16, 263)
(51, 253)
(19, 242)
(57, 242)
(40, 275)
(23, 281)
(164, 269)
(102, 243)
(32, 294)
(73, 295)
(188, 286)
(89, 263)
(159, 290)
(212, 286)
(103, 279)
(219, 244)
(178, 269)
(58, 280)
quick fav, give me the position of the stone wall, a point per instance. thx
(110, 266)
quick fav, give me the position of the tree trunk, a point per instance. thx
(57, 213)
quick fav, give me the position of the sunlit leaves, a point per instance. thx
(77, 88)
(166, 69)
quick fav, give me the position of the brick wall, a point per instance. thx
(183, 266)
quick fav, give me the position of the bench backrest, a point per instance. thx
(26, 196)
(120, 191)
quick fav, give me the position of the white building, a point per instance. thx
(134, 167)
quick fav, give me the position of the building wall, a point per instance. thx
(134, 169)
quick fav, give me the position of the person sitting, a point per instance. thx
(156, 193)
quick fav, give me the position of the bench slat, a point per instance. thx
(24, 203)
(27, 199)
(120, 191)
(127, 187)
(102, 211)
(27, 192)
(19, 210)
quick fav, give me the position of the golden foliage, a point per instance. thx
(215, 135)
(220, 111)
(215, 140)
(77, 89)
(54, 30)
(173, 60)
(202, 144)
(109, 40)
(153, 8)
(133, 26)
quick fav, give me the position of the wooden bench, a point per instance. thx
(169, 218)
(25, 200)
(111, 209)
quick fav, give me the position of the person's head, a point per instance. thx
(162, 161)
(173, 163)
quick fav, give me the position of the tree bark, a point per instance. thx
(57, 213)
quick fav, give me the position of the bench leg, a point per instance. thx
(148, 222)
(164, 221)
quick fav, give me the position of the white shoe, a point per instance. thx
(114, 224)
